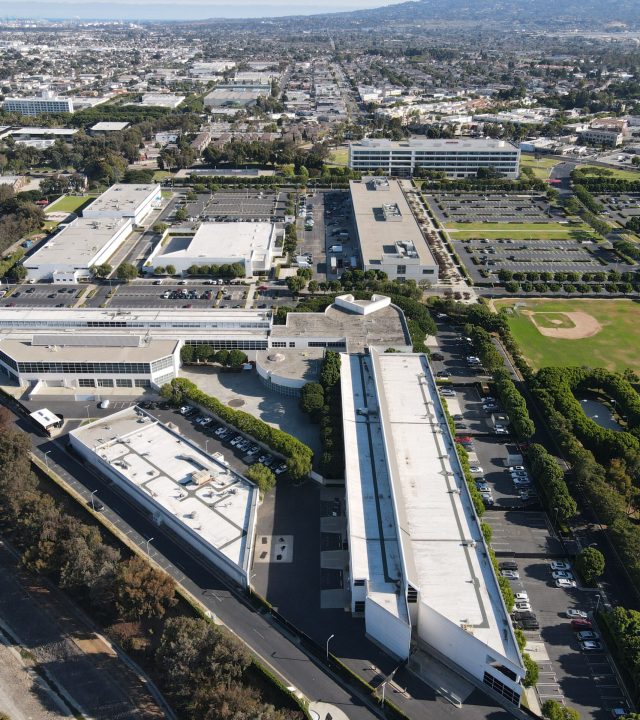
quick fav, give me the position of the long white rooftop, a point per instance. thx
(121, 200)
(225, 240)
(404, 440)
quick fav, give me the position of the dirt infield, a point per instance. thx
(584, 325)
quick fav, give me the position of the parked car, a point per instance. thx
(560, 565)
(562, 574)
(575, 613)
(482, 486)
(564, 583)
(591, 646)
(584, 635)
(521, 596)
(516, 468)
(581, 624)
(508, 565)
(510, 574)
(522, 605)
(476, 469)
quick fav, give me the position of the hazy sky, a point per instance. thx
(180, 9)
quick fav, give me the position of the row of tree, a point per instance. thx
(207, 353)
(550, 479)
(622, 288)
(573, 277)
(299, 456)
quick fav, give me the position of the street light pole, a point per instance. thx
(328, 641)
(555, 517)
(148, 541)
(93, 507)
(86, 407)
(598, 597)
(46, 460)
(384, 687)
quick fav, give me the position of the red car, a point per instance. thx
(464, 438)
(580, 624)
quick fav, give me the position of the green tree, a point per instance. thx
(141, 591)
(236, 358)
(101, 271)
(590, 564)
(222, 357)
(312, 398)
(160, 228)
(552, 710)
(126, 272)
(295, 283)
(532, 671)
(170, 269)
(181, 214)
(18, 273)
(264, 478)
(159, 270)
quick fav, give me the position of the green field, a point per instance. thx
(520, 231)
(541, 166)
(614, 347)
(338, 156)
(160, 175)
(70, 203)
(613, 172)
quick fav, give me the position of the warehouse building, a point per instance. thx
(456, 158)
(194, 496)
(68, 256)
(420, 570)
(125, 201)
(251, 244)
(389, 237)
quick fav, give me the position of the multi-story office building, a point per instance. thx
(609, 137)
(388, 235)
(46, 103)
(457, 158)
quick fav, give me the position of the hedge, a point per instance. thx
(299, 456)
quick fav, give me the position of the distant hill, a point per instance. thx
(579, 13)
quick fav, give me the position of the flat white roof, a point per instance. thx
(160, 462)
(79, 243)
(109, 126)
(385, 223)
(224, 240)
(121, 200)
(26, 351)
(435, 144)
(444, 548)
(408, 502)
(44, 417)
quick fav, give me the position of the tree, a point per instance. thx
(142, 591)
(264, 478)
(532, 671)
(295, 283)
(181, 214)
(554, 711)
(590, 564)
(170, 270)
(313, 286)
(101, 271)
(18, 273)
(312, 398)
(160, 228)
(236, 358)
(126, 272)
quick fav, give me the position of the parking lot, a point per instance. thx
(477, 207)
(46, 295)
(196, 295)
(620, 207)
(230, 205)
(585, 680)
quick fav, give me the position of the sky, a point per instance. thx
(180, 10)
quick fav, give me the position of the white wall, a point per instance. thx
(387, 629)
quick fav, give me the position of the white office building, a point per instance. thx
(388, 235)
(420, 571)
(251, 244)
(125, 201)
(68, 256)
(48, 102)
(457, 158)
(194, 496)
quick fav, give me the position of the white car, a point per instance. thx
(447, 392)
(510, 574)
(476, 469)
(517, 468)
(575, 614)
(560, 565)
(558, 574)
(564, 583)
(523, 606)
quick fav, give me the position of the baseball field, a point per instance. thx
(597, 333)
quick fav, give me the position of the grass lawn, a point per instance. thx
(541, 166)
(614, 172)
(520, 231)
(70, 203)
(614, 347)
(338, 156)
(159, 175)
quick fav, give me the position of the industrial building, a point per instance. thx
(251, 244)
(235, 96)
(456, 158)
(194, 496)
(420, 570)
(125, 201)
(47, 103)
(69, 255)
(388, 235)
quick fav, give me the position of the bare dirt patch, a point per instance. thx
(584, 326)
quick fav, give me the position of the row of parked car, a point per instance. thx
(252, 451)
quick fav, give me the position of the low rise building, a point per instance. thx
(104, 128)
(165, 100)
(388, 235)
(456, 158)
(192, 495)
(125, 201)
(235, 96)
(69, 255)
(420, 571)
(251, 244)
(610, 137)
